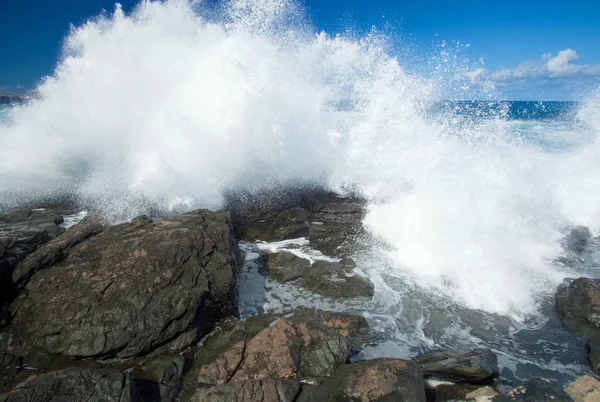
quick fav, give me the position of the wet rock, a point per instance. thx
(85, 385)
(593, 356)
(477, 365)
(134, 288)
(482, 394)
(265, 390)
(584, 389)
(578, 239)
(535, 390)
(156, 379)
(447, 391)
(334, 280)
(22, 232)
(285, 266)
(371, 380)
(330, 222)
(54, 251)
(296, 346)
(578, 305)
(307, 344)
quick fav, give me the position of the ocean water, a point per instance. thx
(175, 106)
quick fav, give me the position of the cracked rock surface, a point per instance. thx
(133, 288)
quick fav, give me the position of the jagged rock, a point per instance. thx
(296, 346)
(18, 361)
(54, 251)
(307, 344)
(285, 266)
(578, 305)
(21, 232)
(371, 380)
(584, 389)
(265, 390)
(330, 222)
(156, 379)
(85, 385)
(482, 394)
(134, 288)
(332, 279)
(536, 390)
(477, 365)
(593, 356)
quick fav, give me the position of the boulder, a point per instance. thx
(54, 251)
(308, 344)
(294, 347)
(334, 280)
(285, 266)
(482, 394)
(157, 379)
(265, 390)
(134, 288)
(535, 390)
(371, 380)
(330, 222)
(85, 385)
(480, 364)
(578, 305)
(22, 232)
(584, 389)
(593, 356)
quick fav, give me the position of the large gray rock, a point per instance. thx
(133, 288)
(578, 305)
(22, 232)
(477, 365)
(371, 380)
(74, 385)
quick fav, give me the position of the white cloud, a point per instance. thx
(562, 65)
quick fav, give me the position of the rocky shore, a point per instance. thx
(148, 311)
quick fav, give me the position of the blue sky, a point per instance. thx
(531, 49)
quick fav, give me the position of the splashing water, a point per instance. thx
(171, 106)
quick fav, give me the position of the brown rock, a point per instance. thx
(584, 389)
(371, 380)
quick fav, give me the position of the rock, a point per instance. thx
(101, 385)
(134, 288)
(480, 364)
(536, 390)
(584, 389)
(578, 305)
(21, 232)
(294, 347)
(332, 279)
(483, 394)
(447, 391)
(578, 239)
(308, 344)
(593, 356)
(331, 223)
(156, 379)
(371, 380)
(54, 251)
(265, 390)
(285, 266)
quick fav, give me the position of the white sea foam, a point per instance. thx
(171, 106)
